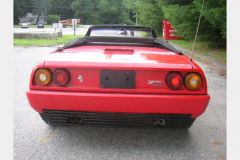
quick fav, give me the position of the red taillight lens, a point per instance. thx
(61, 77)
(174, 80)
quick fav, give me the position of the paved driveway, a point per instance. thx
(33, 139)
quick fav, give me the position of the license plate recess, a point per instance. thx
(117, 79)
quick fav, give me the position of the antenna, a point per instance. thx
(197, 30)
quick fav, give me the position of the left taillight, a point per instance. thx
(43, 77)
(61, 77)
(174, 80)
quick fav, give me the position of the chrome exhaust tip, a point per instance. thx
(72, 119)
(160, 122)
(79, 119)
(75, 119)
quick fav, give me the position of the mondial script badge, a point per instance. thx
(80, 78)
(155, 83)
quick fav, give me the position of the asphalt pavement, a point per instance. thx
(33, 139)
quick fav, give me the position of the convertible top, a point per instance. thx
(120, 41)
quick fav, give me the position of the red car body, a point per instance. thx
(141, 99)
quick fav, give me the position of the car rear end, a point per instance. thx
(40, 25)
(24, 25)
(118, 86)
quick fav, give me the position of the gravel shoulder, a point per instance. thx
(220, 68)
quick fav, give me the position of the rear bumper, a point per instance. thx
(194, 105)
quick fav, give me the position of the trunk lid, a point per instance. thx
(118, 68)
(118, 57)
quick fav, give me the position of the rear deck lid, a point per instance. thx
(118, 57)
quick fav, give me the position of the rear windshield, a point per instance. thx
(121, 33)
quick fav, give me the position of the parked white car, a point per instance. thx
(24, 25)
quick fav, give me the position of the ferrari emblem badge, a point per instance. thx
(80, 78)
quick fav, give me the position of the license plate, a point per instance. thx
(117, 79)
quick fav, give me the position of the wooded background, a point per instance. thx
(183, 14)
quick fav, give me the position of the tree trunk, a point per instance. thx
(38, 18)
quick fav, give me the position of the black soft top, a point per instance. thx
(120, 41)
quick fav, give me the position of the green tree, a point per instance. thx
(112, 11)
(21, 7)
(86, 10)
(132, 9)
(39, 7)
(62, 8)
(215, 13)
(147, 12)
(172, 2)
(150, 14)
(184, 18)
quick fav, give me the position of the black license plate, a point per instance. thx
(117, 79)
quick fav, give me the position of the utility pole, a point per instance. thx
(136, 17)
(74, 25)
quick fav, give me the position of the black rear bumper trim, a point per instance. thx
(110, 119)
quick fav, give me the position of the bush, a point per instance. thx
(128, 22)
(52, 19)
(185, 19)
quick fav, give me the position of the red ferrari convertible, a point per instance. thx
(118, 76)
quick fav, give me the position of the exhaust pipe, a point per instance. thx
(72, 119)
(79, 119)
(75, 119)
(160, 122)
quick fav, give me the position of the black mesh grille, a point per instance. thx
(116, 119)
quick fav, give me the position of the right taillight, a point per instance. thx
(193, 81)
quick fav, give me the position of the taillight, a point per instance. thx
(174, 80)
(61, 77)
(43, 76)
(193, 81)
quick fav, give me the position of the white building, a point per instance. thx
(32, 18)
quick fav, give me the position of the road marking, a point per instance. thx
(47, 138)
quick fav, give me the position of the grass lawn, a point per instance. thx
(58, 40)
(218, 54)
